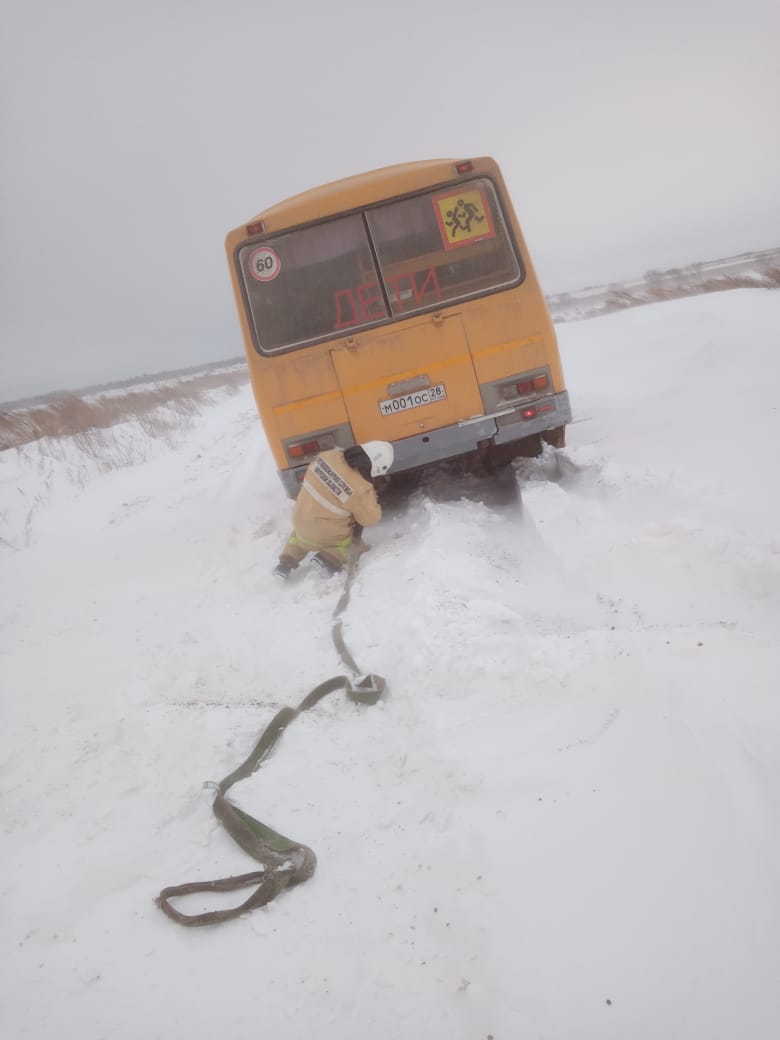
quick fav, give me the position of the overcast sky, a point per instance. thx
(135, 134)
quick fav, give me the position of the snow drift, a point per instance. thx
(560, 822)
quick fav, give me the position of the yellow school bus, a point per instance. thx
(398, 305)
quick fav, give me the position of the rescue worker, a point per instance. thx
(336, 501)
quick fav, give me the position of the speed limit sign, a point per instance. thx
(264, 264)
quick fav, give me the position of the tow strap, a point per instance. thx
(284, 862)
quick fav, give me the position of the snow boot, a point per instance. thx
(284, 568)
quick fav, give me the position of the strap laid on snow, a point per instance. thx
(284, 862)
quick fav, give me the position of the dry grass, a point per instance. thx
(759, 271)
(658, 293)
(159, 409)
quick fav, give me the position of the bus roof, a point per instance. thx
(362, 190)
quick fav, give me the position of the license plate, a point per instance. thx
(404, 403)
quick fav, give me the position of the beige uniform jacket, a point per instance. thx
(332, 496)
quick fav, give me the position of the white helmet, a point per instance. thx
(381, 456)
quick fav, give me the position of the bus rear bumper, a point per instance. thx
(499, 428)
(470, 435)
(551, 412)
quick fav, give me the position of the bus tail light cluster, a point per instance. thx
(304, 450)
(300, 451)
(530, 384)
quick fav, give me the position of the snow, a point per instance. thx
(560, 822)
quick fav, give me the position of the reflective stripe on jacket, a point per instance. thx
(332, 496)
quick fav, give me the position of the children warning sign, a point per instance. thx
(463, 216)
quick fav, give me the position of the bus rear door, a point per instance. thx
(402, 382)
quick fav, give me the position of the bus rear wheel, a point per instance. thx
(502, 454)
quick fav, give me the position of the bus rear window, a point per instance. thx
(300, 285)
(442, 246)
(321, 281)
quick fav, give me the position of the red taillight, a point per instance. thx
(298, 451)
(257, 227)
(545, 408)
(530, 386)
(464, 167)
(528, 413)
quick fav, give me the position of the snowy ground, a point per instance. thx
(562, 823)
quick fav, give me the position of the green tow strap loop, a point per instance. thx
(284, 862)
